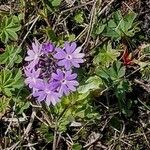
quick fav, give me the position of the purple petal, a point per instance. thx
(40, 94)
(60, 73)
(48, 99)
(59, 76)
(62, 62)
(67, 48)
(31, 53)
(57, 49)
(55, 84)
(63, 89)
(39, 84)
(52, 98)
(55, 76)
(27, 81)
(71, 77)
(60, 55)
(47, 47)
(75, 64)
(27, 72)
(78, 55)
(71, 87)
(73, 46)
(36, 73)
(32, 64)
(68, 64)
(68, 73)
(73, 82)
(28, 58)
(78, 50)
(78, 60)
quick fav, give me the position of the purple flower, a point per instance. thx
(32, 79)
(69, 56)
(34, 54)
(47, 47)
(47, 81)
(64, 81)
(46, 92)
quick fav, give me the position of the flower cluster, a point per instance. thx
(49, 70)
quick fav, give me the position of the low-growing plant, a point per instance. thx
(10, 56)
(106, 55)
(10, 80)
(9, 27)
(121, 27)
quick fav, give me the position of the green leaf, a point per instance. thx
(146, 49)
(24, 107)
(12, 34)
(51, 35)
(76, 146)
(4, 104)
(91, 84)
(106, 56)
(9, 27)
(110, 30)
(70, 37)
(10, 80)
(121, 89)
(18, 80)
(104, 74)
(117, 16)
(45, 130)
(10, 56)
(100, 28)
(111, 74)
(121, 26)
(146, 72)
(56, 3)
(117, 71)
(79, 18)
(129, 20)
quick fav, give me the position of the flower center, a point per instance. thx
(69, 57)
(34, 80)
(63, 81)
(35, 57)
(47, 91)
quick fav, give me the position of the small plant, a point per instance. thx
(9, 57)
(121, 26)
(9, 27)
(55, 3)
(75, 106)
(91, 84)
(4, 105)
(146, 72)
(79, 17)
(112, 74)
(10, 80)
(106, 55)
(144, 62)
(113, 78)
